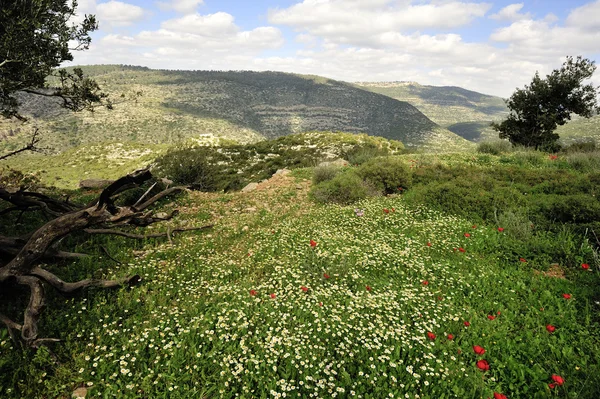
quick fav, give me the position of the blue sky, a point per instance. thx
(488, 46)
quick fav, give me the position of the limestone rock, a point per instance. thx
(79, 393)
(250, 187)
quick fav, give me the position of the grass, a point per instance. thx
(204, 322)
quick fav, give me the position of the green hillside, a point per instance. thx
(445, 105)
(176, 106)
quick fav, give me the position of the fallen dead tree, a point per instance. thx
(102, 216)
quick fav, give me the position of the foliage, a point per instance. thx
(231, 166)
(496, 147)
(224, 314)
(388, 174)
(324, 173)
(360, 155)
(344, 188)
(34, 40)
(538, 109)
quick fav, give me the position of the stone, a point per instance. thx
(282, 172)
(94, 183)
(250, 187)
(79, 393)
(337, 162)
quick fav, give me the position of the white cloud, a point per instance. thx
(117, 13)
(181, 6)
(511, 13)
(374, 40)
(586, 17)
(359, 21)
(191, 42)
(216, 24)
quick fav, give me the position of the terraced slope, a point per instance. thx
(176, 106)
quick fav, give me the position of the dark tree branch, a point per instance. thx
(11, 326)
(29, 332)
(143, 236)
(69, 288)
(159, 196)
(31, 146)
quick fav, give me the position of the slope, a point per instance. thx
(175, 106)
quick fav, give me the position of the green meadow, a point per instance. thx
(464, 276)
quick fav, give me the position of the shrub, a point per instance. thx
(494, 147)
(580, 146)
(360, 154)
(387, 174)
(345, 188)
(196, 167)
(325, 173)
(584, 162)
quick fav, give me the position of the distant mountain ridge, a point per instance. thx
(464, 112)
(244, 106)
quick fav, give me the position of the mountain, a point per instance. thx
(463, 112)
(175, 106)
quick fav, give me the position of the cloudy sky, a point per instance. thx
(492, 46)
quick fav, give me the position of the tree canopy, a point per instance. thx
(538, 109)
(36, 37)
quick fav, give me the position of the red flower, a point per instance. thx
(400, 189)
(474, 226)
(393, 209)
(467, 235)
(478, 350)
(483, 365)
(450, 337)
(467, 324)
(551, 385)
(585, 266)
(428, 244)
(552, 157)
(491, 317)
(273, 296)
(550, 328)
(461, 249)
(303, 288)
(499, 396)
(558, 379)
(326, 275)
(253, 292)
(425, 282)
(522, 260)
(498, 313)
(431, 335)
(313, 243)
(567, 296)
(385, 210)
(368, 288)
(500, 229)
(320, 303)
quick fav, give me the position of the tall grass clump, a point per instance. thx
(388, 174)
(496, 147)
(344, 188)
(324, 173)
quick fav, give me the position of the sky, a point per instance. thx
(490, 46)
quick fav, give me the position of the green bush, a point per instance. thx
(496, 147)
(325, 173)
(345, 188)
(580, 146)
(584, 161)
(196, 167)
(360, 154)
(387, 174)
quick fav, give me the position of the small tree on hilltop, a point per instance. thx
(538, 109)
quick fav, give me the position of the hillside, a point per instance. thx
(175, 106)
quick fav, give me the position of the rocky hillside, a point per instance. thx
(464, 112)
(175, 106)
